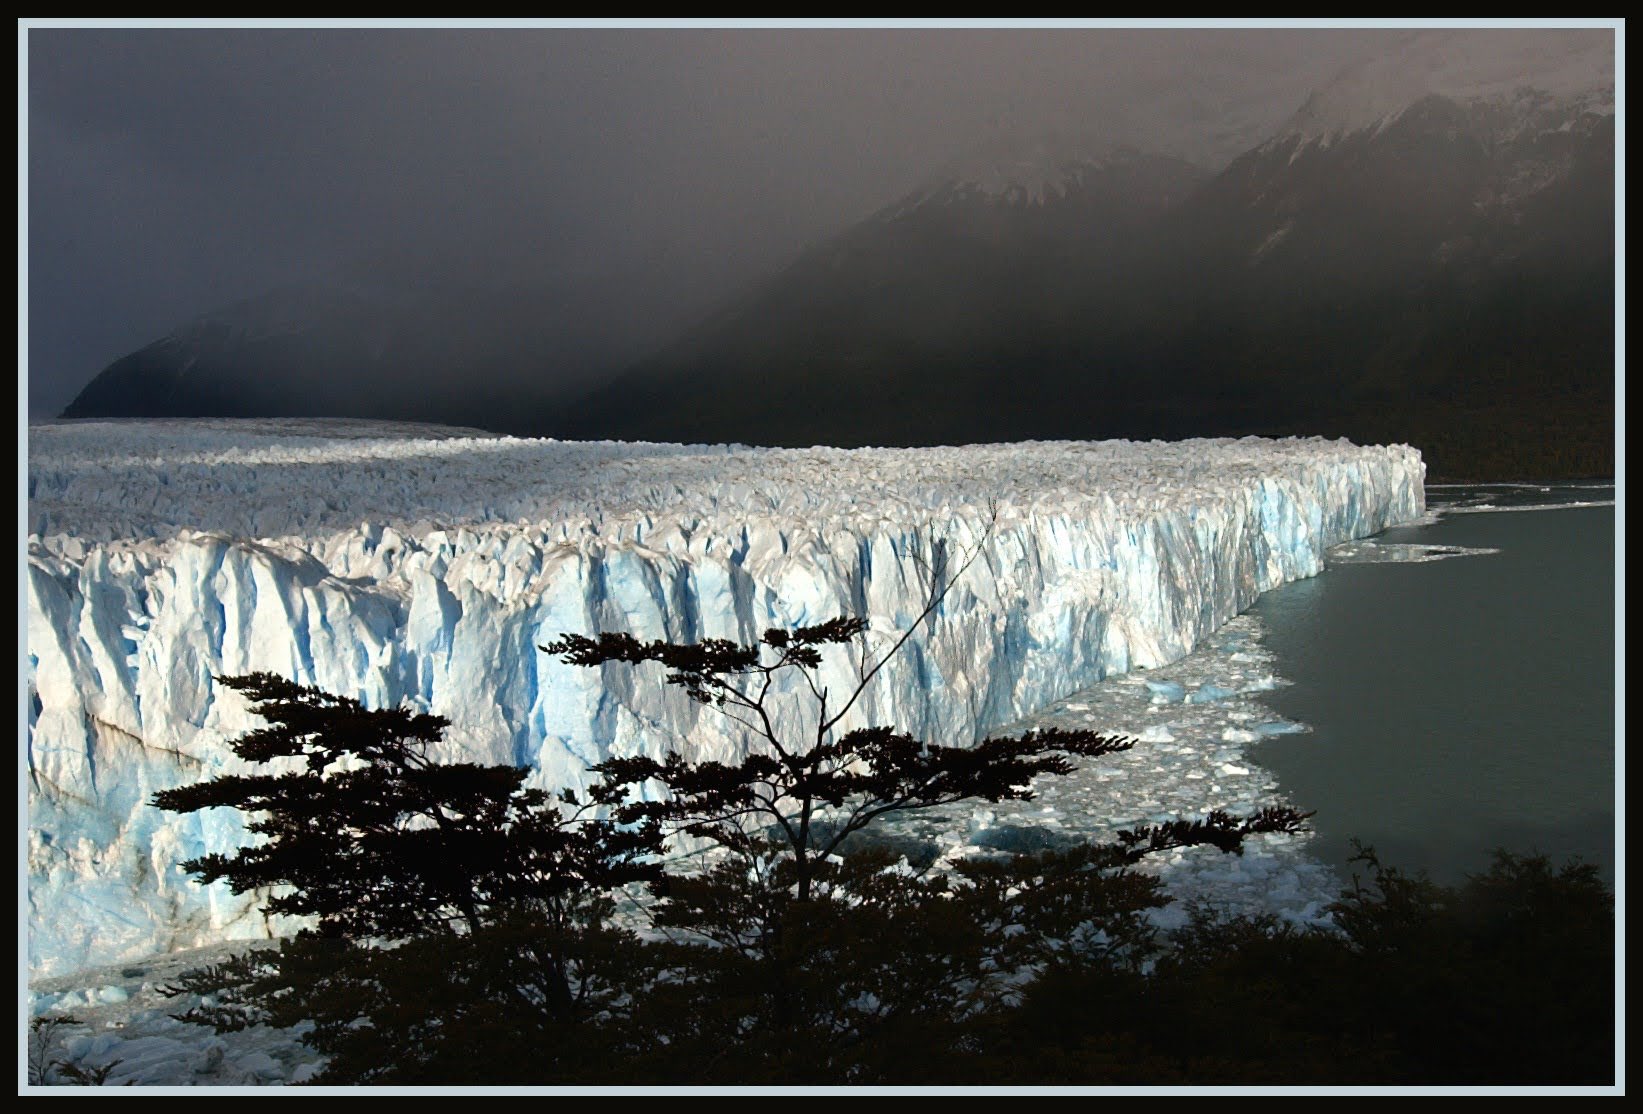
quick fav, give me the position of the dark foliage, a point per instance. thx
(492, 896)
(789, 962)
(1505, 980)
(883, 974)
(46, 1068)
(520, 1001)
(807, 952)
(1028, 969)
(375, 839)
(879, 967)
(818, 790)
(1218, 829)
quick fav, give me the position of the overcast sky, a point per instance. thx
(171, 172)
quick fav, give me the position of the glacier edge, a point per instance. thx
(358, 566)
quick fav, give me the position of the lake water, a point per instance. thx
(1460, 704)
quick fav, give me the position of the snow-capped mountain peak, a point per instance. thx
(1011, 172)
(1570, 70)
(1029, 173)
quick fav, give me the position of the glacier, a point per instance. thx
(410, 564)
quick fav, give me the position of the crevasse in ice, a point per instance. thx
(404, 564)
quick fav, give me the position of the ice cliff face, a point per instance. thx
(410, 565)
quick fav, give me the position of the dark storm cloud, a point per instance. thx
(175, 171)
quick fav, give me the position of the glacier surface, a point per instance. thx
(409, 564)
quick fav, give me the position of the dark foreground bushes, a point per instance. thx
(1507, 979)
(468, 929)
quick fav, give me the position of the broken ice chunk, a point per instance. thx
(1166, 692)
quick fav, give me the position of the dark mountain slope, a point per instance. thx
(898, 330)
(496, 343)
(1443, 275)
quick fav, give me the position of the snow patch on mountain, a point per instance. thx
(1526, 71)
(1035, 172)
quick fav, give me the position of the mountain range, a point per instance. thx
(1424, 252)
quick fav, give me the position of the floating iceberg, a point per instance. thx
(1209, 693)
(1166, 692)
(410, 565)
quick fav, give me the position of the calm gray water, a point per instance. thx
(1457, 705)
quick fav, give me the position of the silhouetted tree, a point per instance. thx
(374, 839)
(46, 1068)
(496, 894)
(811, 959)
(815, 790)
(796, 957)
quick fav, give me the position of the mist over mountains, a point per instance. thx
(1424, 252)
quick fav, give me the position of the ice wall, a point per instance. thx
(400, 565)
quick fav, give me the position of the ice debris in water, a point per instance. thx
(1189, 758)
(1379, 553)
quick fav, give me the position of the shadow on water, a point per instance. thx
(1457, 705)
